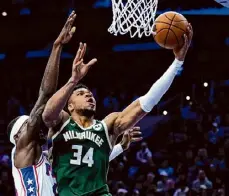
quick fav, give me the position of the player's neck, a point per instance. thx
(83, 121)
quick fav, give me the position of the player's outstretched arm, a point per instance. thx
(129, 136)
(49, 82)
(53, 113)
(119, 122)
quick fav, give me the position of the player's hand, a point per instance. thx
(130, 136)
(181, 52)
(79, 68)
(67, 31)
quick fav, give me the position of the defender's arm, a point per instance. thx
(48, 84)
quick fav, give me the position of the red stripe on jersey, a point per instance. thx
(22, 181)
(36, 176)
(40, 163)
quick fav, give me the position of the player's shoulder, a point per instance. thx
(58, 125)
(112, 115)
(110, 119)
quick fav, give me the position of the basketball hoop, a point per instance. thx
(134, 16)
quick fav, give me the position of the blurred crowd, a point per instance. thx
(185, 156)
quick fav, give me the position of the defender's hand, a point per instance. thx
(79, 68)
(180, 53)
(129, 136)
(67, 31)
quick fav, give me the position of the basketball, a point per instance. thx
(170, 28)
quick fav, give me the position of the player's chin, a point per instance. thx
(91, 107)
(88, 111)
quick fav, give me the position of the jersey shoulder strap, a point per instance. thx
(61, 129)
(106, 132)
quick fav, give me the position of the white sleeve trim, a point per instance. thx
(107, 134)
(62, 127)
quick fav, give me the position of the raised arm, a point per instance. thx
(53, 113)
(48, 84)
(119, 122)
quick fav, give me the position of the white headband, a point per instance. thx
(17, 125)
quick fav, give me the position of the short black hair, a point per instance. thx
(10, 126)
(78, 86)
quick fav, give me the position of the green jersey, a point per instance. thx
(81, 159)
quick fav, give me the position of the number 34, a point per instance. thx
(87, 159)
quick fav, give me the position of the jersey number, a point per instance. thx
(87, 159)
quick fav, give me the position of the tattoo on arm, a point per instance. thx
(50, 78)
(47, 88)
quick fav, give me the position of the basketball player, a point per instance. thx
(31, 171)
(81, 144)
(130, 136)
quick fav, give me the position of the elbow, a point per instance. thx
(47, 118)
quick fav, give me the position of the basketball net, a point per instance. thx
(133, 16)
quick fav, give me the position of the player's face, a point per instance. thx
(82, 99)
(20, 132)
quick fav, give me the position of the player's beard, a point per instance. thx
(87, 112)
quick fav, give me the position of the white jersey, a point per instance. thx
(35, 180)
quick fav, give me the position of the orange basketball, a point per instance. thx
(170, 28)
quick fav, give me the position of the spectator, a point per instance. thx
(183, 191)
(136, 192)
(139, 182)
(4, 158)
(219, 187)
(213, 173)
(165, 184)
(144, 156)
(149, 183)
(122, 192)
(189, 157)
(214, 137)
(201, 183)
(119, 185)
(202, 159)
(165, 167)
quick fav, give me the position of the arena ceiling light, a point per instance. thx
(4, 13)
(165, 112)
(188, 98)
(205, 84)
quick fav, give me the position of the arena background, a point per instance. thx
(125, 67)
